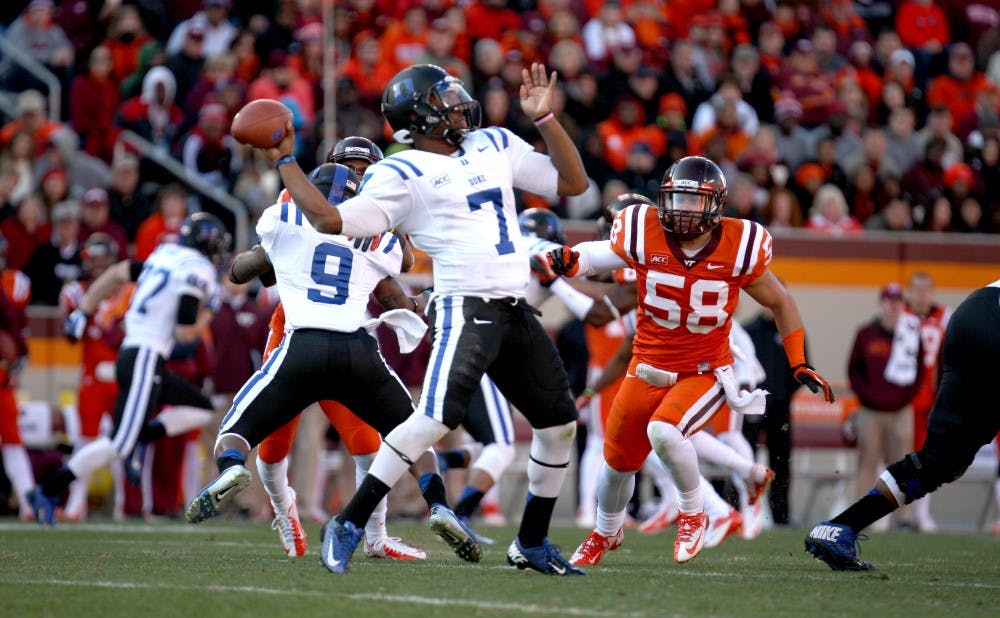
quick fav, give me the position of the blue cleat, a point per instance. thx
(44, 506)
(133, 463)
(482, 540)
(339, 542)
(459, 536)
(835, 545)
(218, 493)
(545, 559)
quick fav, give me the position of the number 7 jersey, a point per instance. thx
(686, 301)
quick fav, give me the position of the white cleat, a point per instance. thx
(289, 527)
(393, 548)
(217, 494)
(690, 536)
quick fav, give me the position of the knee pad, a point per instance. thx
(495, 459)
(412, 437)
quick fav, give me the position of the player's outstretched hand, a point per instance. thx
(536, 91)
(808, 376)
(283, 148)
(74, 325)
(564, 261)
(541, 270)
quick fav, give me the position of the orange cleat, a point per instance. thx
(593, 548)
(690, 535)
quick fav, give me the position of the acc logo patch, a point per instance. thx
(658, 259)
(441, 181)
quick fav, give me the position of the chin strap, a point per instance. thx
(403, 136)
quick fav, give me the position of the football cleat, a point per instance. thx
(595, 546)
(339, 542)
(43, 506)
(835, 545)
(753, 520)
(482, 540)
(293, 536)
(393, 548)
(756, 490)
(690, 535)
(217, 494)
(663, 519)
(133, 463)
(446, 525)
(720, 529)
(545, 559)
(491, 515)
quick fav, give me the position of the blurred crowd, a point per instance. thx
(837, 116)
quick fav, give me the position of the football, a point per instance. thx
(261, 123)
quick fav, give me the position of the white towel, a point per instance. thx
(408, 326)
(901, 369)
(742, 401)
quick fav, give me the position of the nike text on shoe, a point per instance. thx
(339, 542)
(217, 494)
(545, 559)
(593, 548)
(393, 548)
(463, 541)
(720, 528)
(835, 544)
(756, 490)
(663, 519)
(133, 464)
(690, 535)
(43, 506)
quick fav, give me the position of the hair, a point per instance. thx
(767, 212)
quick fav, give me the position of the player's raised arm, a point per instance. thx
(324, 217)
(536, 103)
(102, 287)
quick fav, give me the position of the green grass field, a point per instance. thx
(238, 569)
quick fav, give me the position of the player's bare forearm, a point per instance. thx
(769, 292)
(391, 295)
(313, 204)
(250, 264)
(565, 157)
(615, 368)
(102, 287)
(619, 300)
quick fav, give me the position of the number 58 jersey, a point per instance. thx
(323, 281)
(686, 301)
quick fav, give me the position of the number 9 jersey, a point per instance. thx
(686, 301)
(323, 282)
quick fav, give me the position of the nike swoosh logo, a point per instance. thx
(478, 321)
(714, 266)
(558, 569)
(482, 148)
(330, 560)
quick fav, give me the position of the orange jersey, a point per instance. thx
(96, 347)
(686, 302)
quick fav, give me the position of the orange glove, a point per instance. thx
(564, 261)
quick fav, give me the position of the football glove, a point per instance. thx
(540, 269)
(368, 242)
(75, 324)
(564, 261)
(807, 376)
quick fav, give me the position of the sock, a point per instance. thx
(274, 478)
(870, 508)
(375, 526)
(432, 488)
(229, 458)
(18, 468)
(469, 502)
(609, 523)
(152, 431)
(365, 499)
(614, 490)
(535, 522)
(691, 502)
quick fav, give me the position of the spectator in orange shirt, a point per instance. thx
(627, 126)
(489, 19)
(163, 224)
(280, 81)
(364, 69)
(405, 39)
(958, 88)
(31, 119)
(126, 36)
(923, 28)
(728, 126)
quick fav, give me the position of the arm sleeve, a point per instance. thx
(597, 256)
(363, 217)
(532, 170)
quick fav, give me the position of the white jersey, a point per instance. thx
(170, 272)
(323, 281)
(459, 209)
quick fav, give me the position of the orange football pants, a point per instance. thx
(9, 432)
(94, 401)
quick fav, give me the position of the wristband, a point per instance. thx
(795, 347)
(283, 160)
(589, 392)
(544, 118)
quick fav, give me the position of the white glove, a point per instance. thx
(74, 325)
